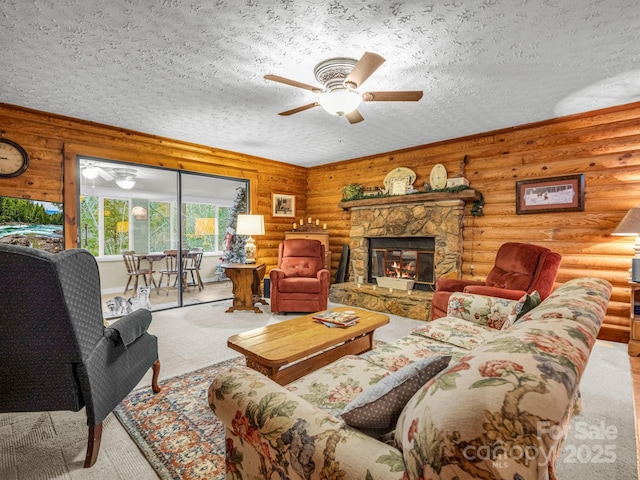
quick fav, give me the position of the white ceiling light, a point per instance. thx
(340, 102)
(125, 178)
(90, 171)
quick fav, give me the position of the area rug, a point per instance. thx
(183, 440)
(175, 429)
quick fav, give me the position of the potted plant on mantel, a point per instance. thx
(353, 190)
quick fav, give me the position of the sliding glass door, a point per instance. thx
(156, 233)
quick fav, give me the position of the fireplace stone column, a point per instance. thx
(441, 219)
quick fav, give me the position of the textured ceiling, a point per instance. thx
(193, 70)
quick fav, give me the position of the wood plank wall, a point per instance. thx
(604, 145)
(46, 136)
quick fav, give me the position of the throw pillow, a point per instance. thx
(492, 312)
(527, 303)
(376, 410)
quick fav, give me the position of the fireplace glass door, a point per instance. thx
(410, 258)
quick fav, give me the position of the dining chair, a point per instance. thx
(134, 271)
(193, 263)
(171, 269)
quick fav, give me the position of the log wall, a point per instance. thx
(50, 139)
(602, 145)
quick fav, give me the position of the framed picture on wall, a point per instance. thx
(284, 205)
(554, 194)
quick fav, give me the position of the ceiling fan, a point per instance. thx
(91, 170)
(341, 78)
(125, 178)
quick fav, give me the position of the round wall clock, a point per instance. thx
(438, 177)
(13, 159)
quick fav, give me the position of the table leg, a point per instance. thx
(242, 280)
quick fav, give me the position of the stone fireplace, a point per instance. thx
(438, 216)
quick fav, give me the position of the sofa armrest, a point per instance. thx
(454, 284)
(130, 327)
(292, 437)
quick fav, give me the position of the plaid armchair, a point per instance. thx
(55, 352)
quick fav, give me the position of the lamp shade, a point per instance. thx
(629, 226)
(250, 225)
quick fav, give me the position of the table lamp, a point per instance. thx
(250, 225)
(629, 226)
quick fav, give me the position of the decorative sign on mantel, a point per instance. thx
(399, 181)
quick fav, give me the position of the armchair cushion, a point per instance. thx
(129, 328)
(494, 292)
(302, 259)
(376, 411)
(299, 285)
(454, 284)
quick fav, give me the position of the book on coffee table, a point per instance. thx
(339, 319)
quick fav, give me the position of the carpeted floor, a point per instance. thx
(47, 446)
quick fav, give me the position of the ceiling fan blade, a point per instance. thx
(362, 70)
(405, 96)
(354, 117)
(104, 174)
(299, 109)
(293, 83)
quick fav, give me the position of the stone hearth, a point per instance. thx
(404, 216)
(414, 305)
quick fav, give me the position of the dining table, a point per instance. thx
(153, 257)
(150, 258)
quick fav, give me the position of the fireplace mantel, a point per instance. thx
(468, 195)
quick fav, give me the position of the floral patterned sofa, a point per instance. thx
(498, 410)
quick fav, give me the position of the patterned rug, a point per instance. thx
(175, 429)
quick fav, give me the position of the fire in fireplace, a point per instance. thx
(403, 257)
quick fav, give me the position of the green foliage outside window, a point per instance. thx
(90, 223)
(160, 229)
(116, 226)
(19, 210)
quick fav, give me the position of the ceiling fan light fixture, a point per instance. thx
(125, 178)
(340, 102)
(126, 183)
(90, 171)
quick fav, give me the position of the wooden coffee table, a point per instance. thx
(290, 349)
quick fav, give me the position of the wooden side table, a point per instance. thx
(242, 278)
(634, 339)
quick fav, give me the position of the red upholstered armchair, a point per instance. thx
(519, 268)
(300, 283)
